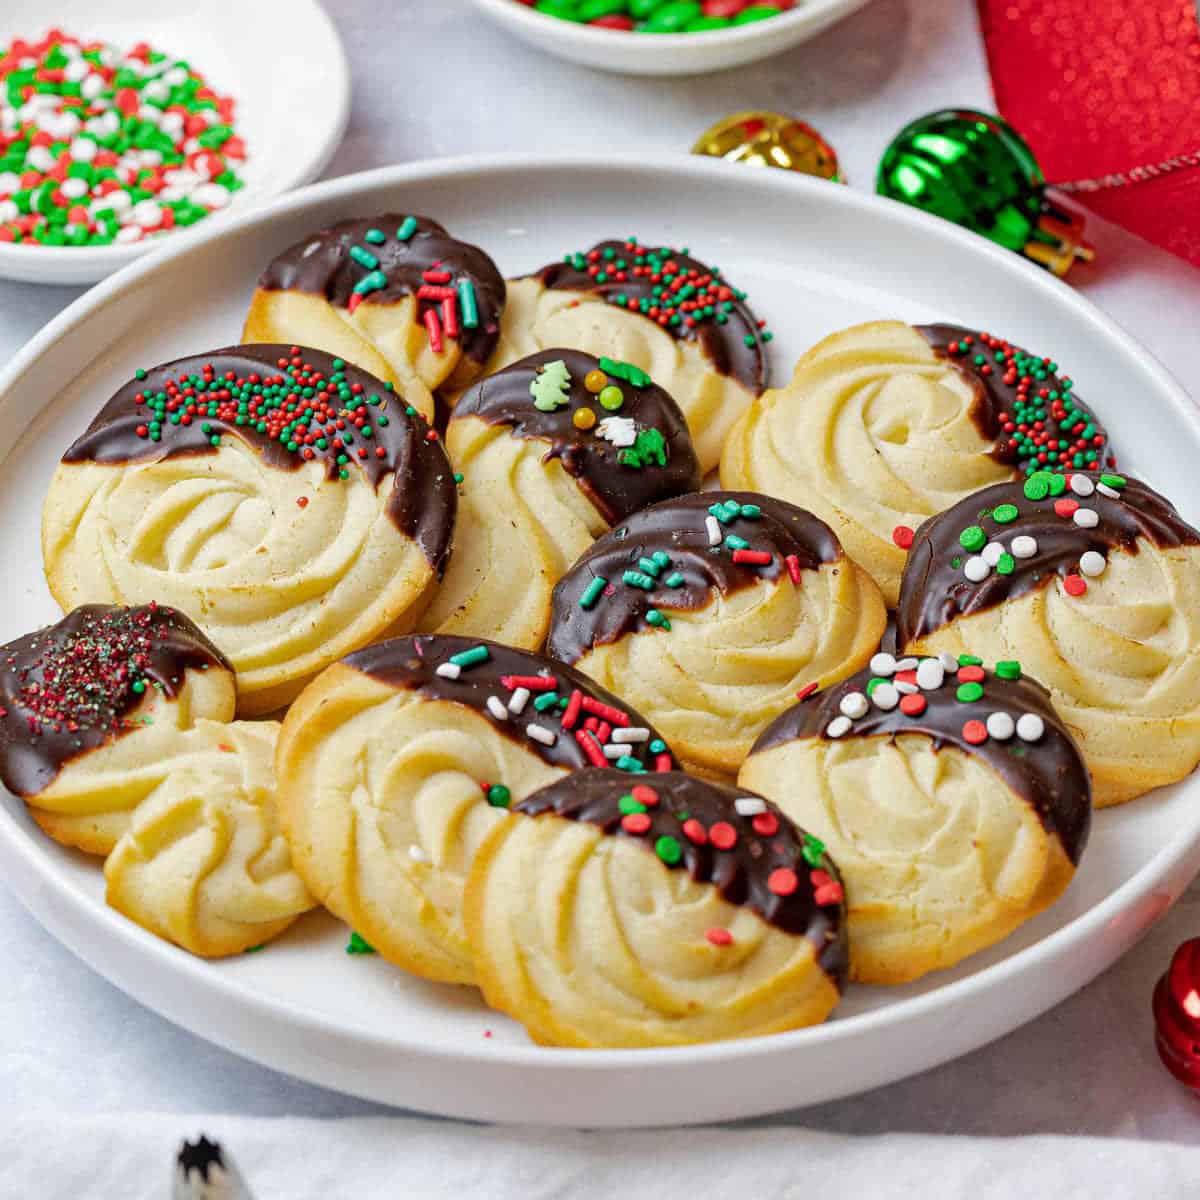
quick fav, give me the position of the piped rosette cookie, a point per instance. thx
(662, 910)
(954, 799)
(663, 310)
(394, 294)
(1093, 582)
(710, 611)
(886, 424)
(553, 450)
(395, 763)
(289, 503)
(114, 730)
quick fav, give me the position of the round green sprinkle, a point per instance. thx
(498, 796)
(1002, 514)
(139, 686)
(1113, 481)
(458, 477)
(1058, 485)
(1037, 486)
(668, 849)
(1005, 564)
(970, 660)
(968, 693)
(972, 538)
(628, 805)
(1008, 669)
(611, 398)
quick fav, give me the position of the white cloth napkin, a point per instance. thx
(130, 1157)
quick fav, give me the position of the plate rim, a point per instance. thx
(52, 903)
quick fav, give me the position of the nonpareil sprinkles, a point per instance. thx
(100, 145)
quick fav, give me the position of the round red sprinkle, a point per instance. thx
(1075, 585)
(766, 824)
(719, 936)
(635, 822)
(912, 705)
(783, 881)
(975, 732)
(902, 535)
(644, 795)
(695, 832)
(302, 501)
(723, 835)
(1065, 507)
(970, 675)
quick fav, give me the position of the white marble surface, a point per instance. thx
(432, 79)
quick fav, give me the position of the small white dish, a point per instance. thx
(668, 53)
(814, 258)
(283, 62)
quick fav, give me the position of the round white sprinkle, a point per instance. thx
(906, 689)
(83, 150)
(496, 707)
(854, 705)
(976, 569)
(449, 670)
(73, 188)
(906, 664)
(91, 87)
(949, 661)
(211, 195)
(1081, 485)
(148, 213)
(885, 696)
(39, 158)
(883, 664)
(76, 70)
(1030, 727)
(1086, 518)
(930, 674)
(157, 91)
(749, 806)
(131, 233)
(1105, 490)
(837, 727)
(8, 211)
(1024, 546)
(991, 553)
(1000, 726)
(1092, 563)
(10, 182)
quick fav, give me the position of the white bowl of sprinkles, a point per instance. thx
(121, 127)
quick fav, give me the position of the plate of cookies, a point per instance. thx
(491, 662)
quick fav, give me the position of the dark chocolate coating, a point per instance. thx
(996, 400)
(321, 265)
(593, 462)
(933, 591)
(1049, 774)
(68, 688)
(411, 662)
(423, 500)
(678, 528)
(723, 345)
(740, 873)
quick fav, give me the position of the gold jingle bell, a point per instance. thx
(769, 139)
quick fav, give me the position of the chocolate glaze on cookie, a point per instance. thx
(735, 346)
(1022, 404)
(606, 472)
(413, 662)
(380, 435)
(763, 862)
(322, 265)
(1048, 773)
(694, 572)
(71, 687)
(935, 590)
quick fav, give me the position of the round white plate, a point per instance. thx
(814, 257)
(281, 60)
(668, 53)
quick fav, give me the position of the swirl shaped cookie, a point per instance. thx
(608, 911)
(113, 729)
(1093, 582)
(666, 312)
(553, 450)
(395, 763)
(394, 294)
(290, 504)
(885, 424)
(954, 800)
(709, 612)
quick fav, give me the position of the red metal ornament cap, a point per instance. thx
(1177, 1015)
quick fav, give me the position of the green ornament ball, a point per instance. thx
(970, 168)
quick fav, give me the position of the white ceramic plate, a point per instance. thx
(668, 53)
(281, 60)
(814, 257)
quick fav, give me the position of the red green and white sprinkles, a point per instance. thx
(902, 683)
(1070, 493)
(660, 16)
(1044, 429)
(681, 298)
(604, 733)
(307, 413)
(99, 145)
